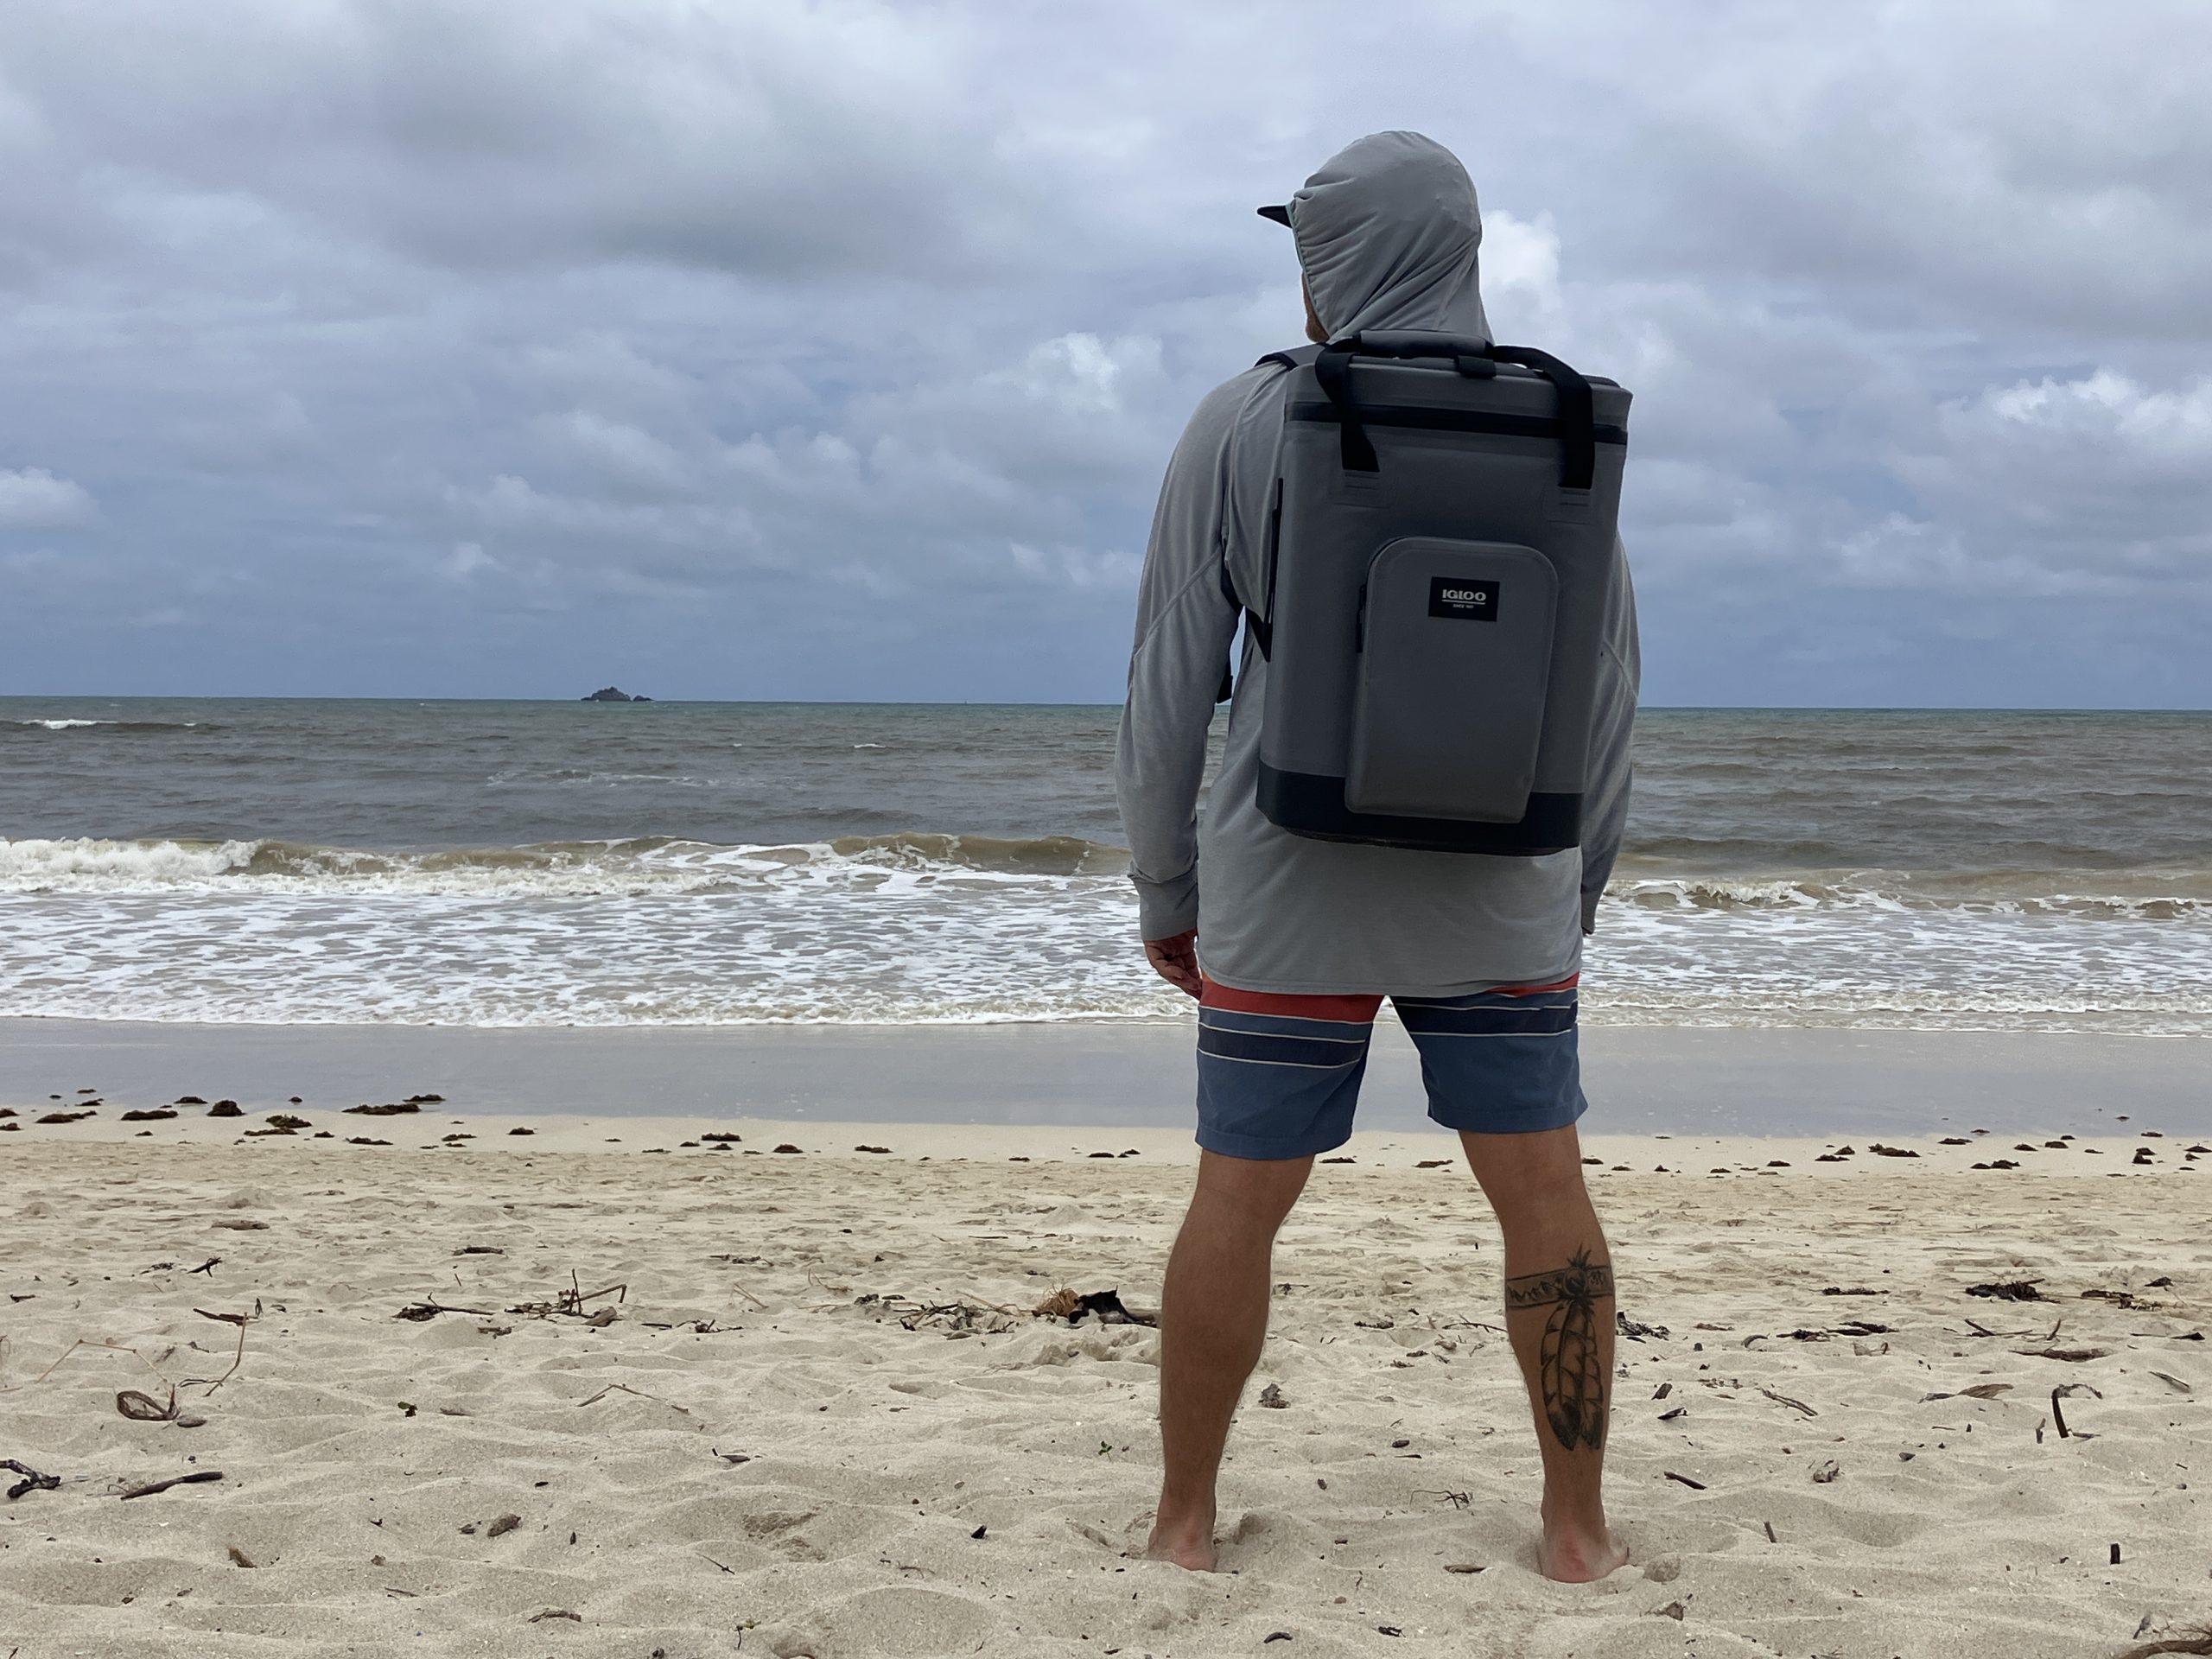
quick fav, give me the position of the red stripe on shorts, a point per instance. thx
(1357, 1009)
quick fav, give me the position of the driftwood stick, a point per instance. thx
(1784, 1398)
(174, 1480)
(433, 1308)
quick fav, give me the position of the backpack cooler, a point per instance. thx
(1440, 552)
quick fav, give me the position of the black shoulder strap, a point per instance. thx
(1261, 627)
(1228, 591)
(1333, 368)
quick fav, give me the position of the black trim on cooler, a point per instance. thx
(1424, 418)
(1306, 804)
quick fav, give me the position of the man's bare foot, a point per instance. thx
(1187, 1545)
(1570, 1555)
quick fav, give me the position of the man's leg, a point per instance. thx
(1559, 1316)
(1213, 1318)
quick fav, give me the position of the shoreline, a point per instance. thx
(1684, 1080)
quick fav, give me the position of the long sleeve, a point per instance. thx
(1612, 728)
(1185, 625)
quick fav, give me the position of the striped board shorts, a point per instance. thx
(1279, 1075)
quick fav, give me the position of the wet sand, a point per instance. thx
(1640, 1079)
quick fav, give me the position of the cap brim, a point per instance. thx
(1280, 215)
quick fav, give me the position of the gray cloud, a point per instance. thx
(34, 498)
(836, 351)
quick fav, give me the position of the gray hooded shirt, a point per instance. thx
(1387, 234)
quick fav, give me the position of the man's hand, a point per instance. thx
(1176, 960)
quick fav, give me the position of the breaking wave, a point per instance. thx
(644, 864)
(2148, 895)
(72, 724)
(661, 864)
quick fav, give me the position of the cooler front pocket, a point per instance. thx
(1448, 704)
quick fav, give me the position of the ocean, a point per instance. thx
(515, 864)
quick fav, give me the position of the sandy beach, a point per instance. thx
(802, 1406)
(678, 681)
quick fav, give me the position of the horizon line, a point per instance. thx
(982, 702)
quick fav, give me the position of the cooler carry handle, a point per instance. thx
(1578, 412)
(1470, 353)
(1474, 359)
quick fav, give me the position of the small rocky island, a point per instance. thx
(612, 694)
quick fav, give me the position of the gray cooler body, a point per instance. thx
(1440, 554)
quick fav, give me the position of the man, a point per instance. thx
(1291, 943)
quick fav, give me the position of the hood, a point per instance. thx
(1387, 234)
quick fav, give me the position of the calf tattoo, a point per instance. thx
(1567, 1364)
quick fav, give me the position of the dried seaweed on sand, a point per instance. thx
(571, 1301)
(966, 1316)
(32, 1481)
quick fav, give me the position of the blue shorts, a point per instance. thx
(1279, 1075)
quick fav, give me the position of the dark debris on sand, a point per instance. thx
(1104, 1305)
(967, 1317)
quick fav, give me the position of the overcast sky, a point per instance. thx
(753, 350)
